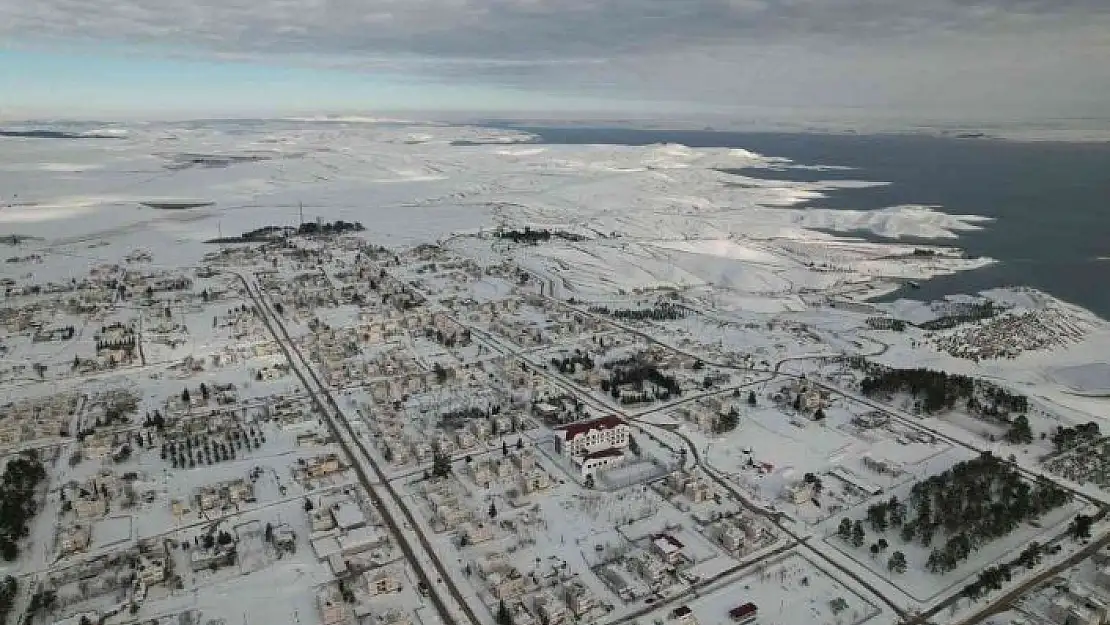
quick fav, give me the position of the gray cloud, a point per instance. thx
(843, 52)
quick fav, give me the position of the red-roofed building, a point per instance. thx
(586, 437)
(743, 614)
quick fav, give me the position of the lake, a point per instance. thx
(1050, 200)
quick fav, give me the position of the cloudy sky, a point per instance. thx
(953, 60)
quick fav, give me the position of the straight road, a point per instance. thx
(341, 429)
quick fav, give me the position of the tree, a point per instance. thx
(492, 510)
(897, 562)
(751, 398)
(1081, 526)
(441, 464)
(1019, 431)
(876, 516)
(520, 444)
(797, 403)
(819, 414)
(42, 601)
(844, 531)
(185, 396)
(857, 534)
(883, 544)
(897, 511)
(875, 549)
(8, 549)
(503, 615)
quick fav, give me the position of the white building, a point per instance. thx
(591, 463)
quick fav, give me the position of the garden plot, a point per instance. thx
(790, 590)
(1089, 463)
(252, 553)
(770, 450)
(111, 531)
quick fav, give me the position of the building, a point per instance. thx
(507, 586)
(585, 437)
(667, 547)
(284, 537)
(683, 614)
(480, 473)
(535, 481)
(525, 461)
(151, 570)
(731, 537)
(551, 610)
(1066, 611)
(74, 539)
(326, 465)
(89, 508)
(746, 613)
(650, 569)
(478, 532)
(591, 463)
(1087, 600)
(216, 557)
(347, 515)
(381, 582)
(579, 599)
(362, 539)
(332, 610)
(800, 493)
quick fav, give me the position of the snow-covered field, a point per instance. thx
(662, 254)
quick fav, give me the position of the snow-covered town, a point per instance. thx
(395, 374)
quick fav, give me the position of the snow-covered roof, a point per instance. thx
(572, 431)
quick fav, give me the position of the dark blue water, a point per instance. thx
(1050, 200)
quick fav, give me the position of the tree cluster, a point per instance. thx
(449, 340)
(441, 464)
(967, 314)
(935, 391)
(663, 311)
(975, 502)
(194, 450)
(635, 372)
(17, 501)
(1070, 438)
(533, 237)
(338, 226)
(570, 364)
(727, 422)
(453, 419)
(7, 597)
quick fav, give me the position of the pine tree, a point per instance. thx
(897, 562)
(845, 529)
(857, 534)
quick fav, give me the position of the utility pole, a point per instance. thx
(300, 210)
